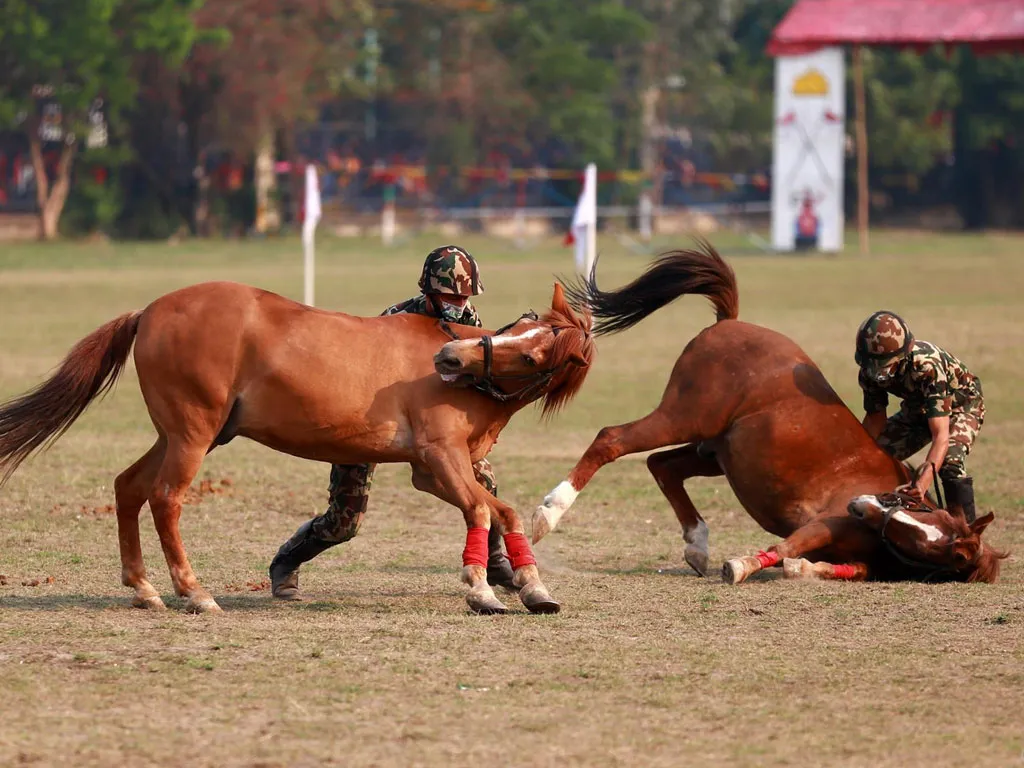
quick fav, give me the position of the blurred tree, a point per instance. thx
(68, 72)
(988, 132)
(282, 60)
(569, 59)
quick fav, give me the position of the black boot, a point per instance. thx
(284, 569)
(499, 569)
(960, 497)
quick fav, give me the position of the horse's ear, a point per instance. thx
(578, 360)
(979, 525)
(558, 298)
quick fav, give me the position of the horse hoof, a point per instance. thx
(502, 575)
(536, 598)
(734, 571)
(485, 603)
(151, 603)
(542, 523)
(797, 568)
(697, 559)
(202, 605)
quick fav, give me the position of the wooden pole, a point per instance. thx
(862, 150)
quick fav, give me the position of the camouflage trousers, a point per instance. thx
(907, 433)
(349, 491)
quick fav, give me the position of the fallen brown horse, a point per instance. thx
(746, 402)
(220, 360)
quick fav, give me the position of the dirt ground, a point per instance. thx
(647, 664)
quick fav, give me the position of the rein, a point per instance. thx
(486, 385)
(935, 483)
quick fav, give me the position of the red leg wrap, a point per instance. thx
(475, 552)
(768, 559)
(519, 552)
(844, 571)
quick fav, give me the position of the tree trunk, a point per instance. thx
(863, 190)
(651, 192)
(267, 215)
(50, 199)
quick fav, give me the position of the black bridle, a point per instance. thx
(897, 502)
(486, 384)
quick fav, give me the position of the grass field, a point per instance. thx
(646, 665)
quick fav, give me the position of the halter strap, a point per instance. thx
(486, 384)
(920, 565)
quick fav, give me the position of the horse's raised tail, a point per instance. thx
(39, 417)
(699, 271)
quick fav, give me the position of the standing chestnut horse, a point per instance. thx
(748, 403)
(220, 360)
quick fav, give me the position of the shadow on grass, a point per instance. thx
(713, 577)
(105, 603)
(63, 602)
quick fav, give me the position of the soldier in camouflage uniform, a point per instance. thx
(450, 276)
(942, 404)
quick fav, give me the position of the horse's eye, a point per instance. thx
(528, 359)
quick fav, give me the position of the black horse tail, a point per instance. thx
(700, 271)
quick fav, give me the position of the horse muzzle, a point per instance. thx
(864, 508)
(450, 366)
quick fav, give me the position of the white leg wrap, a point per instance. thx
(556, 504)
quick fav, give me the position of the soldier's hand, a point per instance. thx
(911, 490)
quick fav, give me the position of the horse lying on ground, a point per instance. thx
(220, 360)
(746, 402)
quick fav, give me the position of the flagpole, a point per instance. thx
(592, 221)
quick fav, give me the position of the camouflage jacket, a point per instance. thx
(418, 306)
(930, 382)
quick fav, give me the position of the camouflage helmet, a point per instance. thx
(451, 270)
(882, 341)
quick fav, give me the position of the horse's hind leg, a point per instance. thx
(655, 430)
(131, 489)
(180, 465)
(671, 469)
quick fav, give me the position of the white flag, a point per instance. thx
(313, 210)
(583, 232)
(312, 218)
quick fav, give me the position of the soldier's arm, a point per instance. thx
(938, 403)
(874, 423)
(939, 427)
(876, 400)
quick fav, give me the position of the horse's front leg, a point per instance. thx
(652, 431)
(499, 571)
(456, 483)
(801, 568)
(449, 476)
(839, 538)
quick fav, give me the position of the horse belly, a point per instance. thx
(777, 470)
(328, 427)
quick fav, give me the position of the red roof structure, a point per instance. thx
(988, 26)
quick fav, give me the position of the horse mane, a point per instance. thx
(989, 561)
(986, 568)
(572, 326)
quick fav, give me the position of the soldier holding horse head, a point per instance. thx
(450, 276)
(942, 404)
